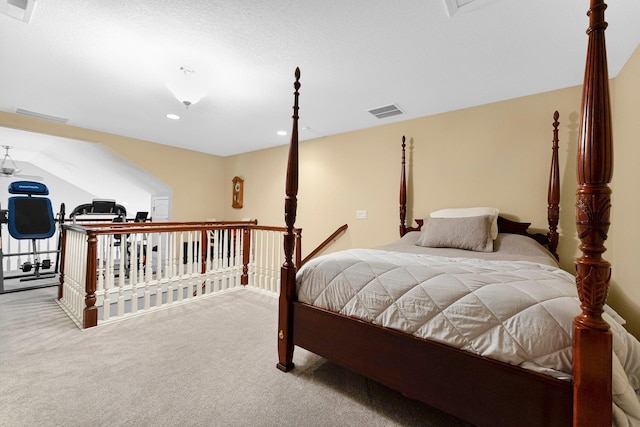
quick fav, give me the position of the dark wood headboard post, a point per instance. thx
(553, 194)
(592, 338)
(288, 270)
(403, 192)
(404, 228)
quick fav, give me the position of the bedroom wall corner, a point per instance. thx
(496, 154)
(195, 177)
(624, 233)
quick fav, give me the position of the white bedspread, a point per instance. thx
(517, 312)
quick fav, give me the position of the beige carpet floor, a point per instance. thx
(206, 363)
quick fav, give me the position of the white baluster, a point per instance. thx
(108, 275)
(174, 252)
(161, 259)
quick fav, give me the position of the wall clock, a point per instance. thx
(237, 189)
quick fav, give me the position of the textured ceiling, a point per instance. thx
(105, 65)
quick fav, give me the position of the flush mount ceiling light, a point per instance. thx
(186, 86)
(173, 116)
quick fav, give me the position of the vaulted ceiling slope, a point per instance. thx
(108, 65)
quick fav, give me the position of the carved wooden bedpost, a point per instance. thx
(592, 338)
(553, 194)
(288, 270)
(403, 193)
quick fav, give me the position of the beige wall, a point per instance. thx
(624, 233)
(496, 155)
(189, 174)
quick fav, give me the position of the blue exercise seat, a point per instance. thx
(30, 215)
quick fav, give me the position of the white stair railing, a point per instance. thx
(143, 267)
(115, 271)
(267, 256)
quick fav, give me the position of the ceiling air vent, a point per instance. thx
(19, 9)
(386, 111)
(454, 5)
(41, 116)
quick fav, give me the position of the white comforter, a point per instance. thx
(518, 312)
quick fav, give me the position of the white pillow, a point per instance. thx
(466, 212)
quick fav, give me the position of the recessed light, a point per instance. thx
(282, 132)
(173, 116)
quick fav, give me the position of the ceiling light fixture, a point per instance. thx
(8, 166)
(186, 87)
(173, 116)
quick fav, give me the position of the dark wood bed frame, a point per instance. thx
(482, 391)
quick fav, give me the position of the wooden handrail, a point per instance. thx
(91, 270)
(270, 228)
(322, 245)
(154, 227)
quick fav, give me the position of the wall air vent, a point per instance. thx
(386, 111)
(41, 116)
(19, 9)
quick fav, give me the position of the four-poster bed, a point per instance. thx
(479, 389)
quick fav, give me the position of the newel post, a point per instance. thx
(246, 252)
(90, 317)
(298, 232)
(63, 248)
(204, 249)
(592, 338)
